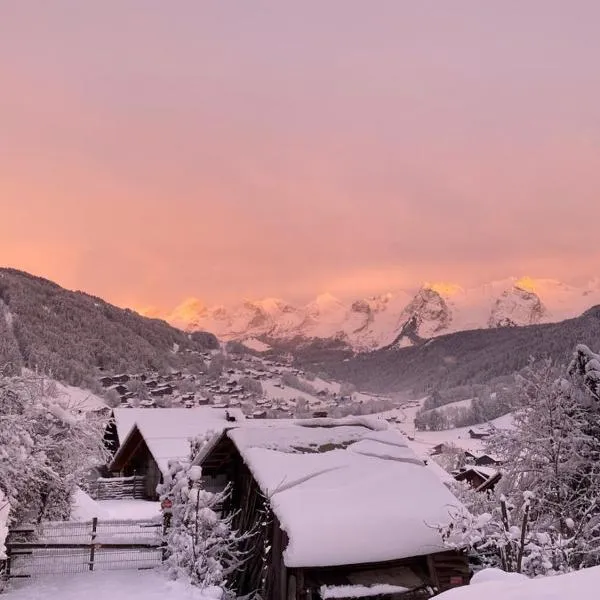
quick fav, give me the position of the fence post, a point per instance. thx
(5, 573)
(165, 530)
(93, 543)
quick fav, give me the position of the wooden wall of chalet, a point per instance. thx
(267, 574)
(137, 459)
(262, 572)
(440, 572)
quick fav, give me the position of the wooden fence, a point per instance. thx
(118, 488)
(73, 547)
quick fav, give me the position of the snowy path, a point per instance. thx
(116, 585)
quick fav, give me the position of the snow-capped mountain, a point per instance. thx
(394, 318)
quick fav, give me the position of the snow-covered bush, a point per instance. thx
(201, 544)
(45, 450)
(505, 538)
(551, 458)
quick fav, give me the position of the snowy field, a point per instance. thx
(424, 441)
(114, 585)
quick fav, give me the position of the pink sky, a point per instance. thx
(153, 150)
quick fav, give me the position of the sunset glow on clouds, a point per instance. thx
(152, 151)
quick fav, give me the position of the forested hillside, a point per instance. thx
(72, 334)
(462, 358)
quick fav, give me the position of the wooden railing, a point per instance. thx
(116, 488)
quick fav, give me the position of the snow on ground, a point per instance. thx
(493, 584)
(130, 509)
(272, 391)
(256, 345)
(73, 398)
(423, 441)
(80, 399)
(321, 384)
(86, 508)
(116, 585)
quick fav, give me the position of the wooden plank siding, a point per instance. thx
(267, 573)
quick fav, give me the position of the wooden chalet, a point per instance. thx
(337, 507)
(146, 439)
(481, 459)
(480, 433)
(480, 478)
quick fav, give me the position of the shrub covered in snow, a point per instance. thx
(548, 519)
(201, 545)
(45, 449)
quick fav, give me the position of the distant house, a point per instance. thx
(147, 438)
(439, 449)
(165, 390)
(480, 478)
(481, 459)
(320, 413)
(349, 507)
(479, 433)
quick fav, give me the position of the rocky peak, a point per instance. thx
(516, 306)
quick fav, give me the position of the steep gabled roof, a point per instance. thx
(167, 431)
(352, 492)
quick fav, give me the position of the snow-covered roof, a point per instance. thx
(484, 471)
(167, 431)
(124, 421)
(346, 493)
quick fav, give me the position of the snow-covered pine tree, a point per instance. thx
(201, 544)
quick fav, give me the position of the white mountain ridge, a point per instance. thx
(393, 318)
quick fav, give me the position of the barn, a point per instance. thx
(150, 437)
(339, 509)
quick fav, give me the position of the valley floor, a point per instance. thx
(116, 585)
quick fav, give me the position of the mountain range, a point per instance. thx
(464, 358)
(395, 319)
(72, 336)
